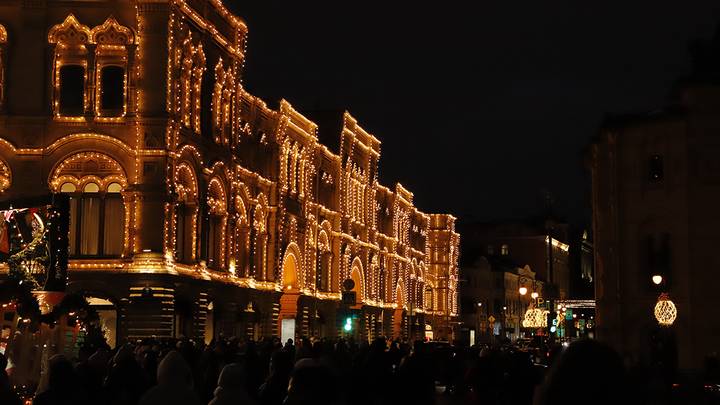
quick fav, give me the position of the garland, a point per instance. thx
(15, 289)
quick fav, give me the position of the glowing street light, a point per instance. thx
(657, 279)
(523, 290)
(534, 295)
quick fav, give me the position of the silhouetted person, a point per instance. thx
(7, 395)
(125, 382)
(231, 388)
(63, 387)
(274, 390)
(312, 385)
(417, 385)
(175, 383)
(587, 370)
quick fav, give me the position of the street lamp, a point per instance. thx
(534, 295)
(657, 279)
(523, 290)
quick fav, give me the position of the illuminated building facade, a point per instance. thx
(196, 209)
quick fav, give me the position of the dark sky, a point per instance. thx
(479, 105)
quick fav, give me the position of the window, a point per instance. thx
(184, 231)
(504, 250)
(96, 220)
(112, 90)
(656, 169)
(491, 250)
(215, 242)
(72, 90)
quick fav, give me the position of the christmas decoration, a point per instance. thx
(665, 310)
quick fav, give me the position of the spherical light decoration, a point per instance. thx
(665, 310)
(523, 290)
(535, 318)
(657, 279)
(534, 295)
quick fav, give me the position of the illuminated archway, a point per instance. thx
(356, 275)
(291, 293)
(399, 313)
(289, 272)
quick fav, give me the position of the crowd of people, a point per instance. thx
(324, 371)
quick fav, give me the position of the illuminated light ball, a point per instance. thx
(535, 318)
(657, 279)
(553, 329)
(665, 310)
(534, 295)
(523, 290)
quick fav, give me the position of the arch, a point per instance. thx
(112, 33)
(69, 32)
(291, 268)
(240, 211)
(400, 295)
(356, 274)
(190, 152)
(185, 181)
(216, 197)
(3, 34)
(83, 167)
(323, 242)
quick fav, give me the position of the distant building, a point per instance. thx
(527, 243)
(655, 196)
(491, 291)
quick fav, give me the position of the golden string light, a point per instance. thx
(665, 310)
(253, 233)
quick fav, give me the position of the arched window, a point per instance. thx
(192, 67)
(222, 103)
(217, 221)
(112, 52)
(186, 213)
(94, 182)
(73, 41)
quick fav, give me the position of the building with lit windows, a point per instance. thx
(196, 209)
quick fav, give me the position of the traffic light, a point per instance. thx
(348, 324)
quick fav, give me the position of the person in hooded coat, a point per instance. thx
(175, 383)
(231, 388)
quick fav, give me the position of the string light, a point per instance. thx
(375, 230)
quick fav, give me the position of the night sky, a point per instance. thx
(481, 107)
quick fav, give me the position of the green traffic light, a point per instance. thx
(348, 324)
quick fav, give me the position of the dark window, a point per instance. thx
(215, 246)
(72, 90)
(184, 233)
(113, 89)
(656, 172)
